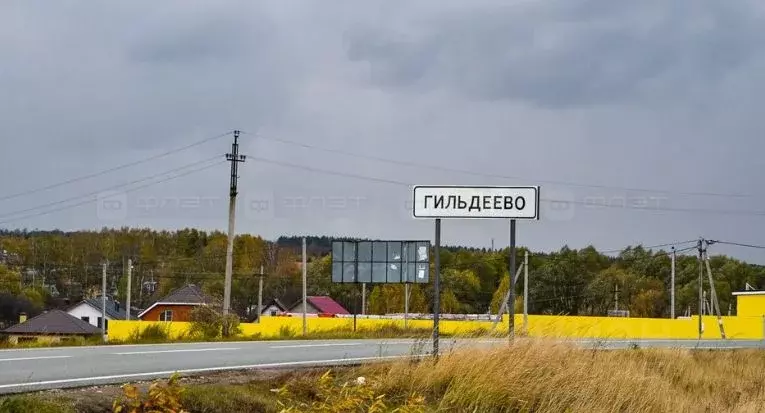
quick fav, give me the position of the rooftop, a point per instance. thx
(53, 322)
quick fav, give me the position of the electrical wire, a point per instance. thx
(488, 175)
(650, 246)
(557, 201)
(116, 168)
(738, 244)
(114, 187)
(87, 201)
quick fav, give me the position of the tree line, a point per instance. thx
(55, 269)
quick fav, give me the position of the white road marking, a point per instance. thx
(202, 370)
(318, 345)
(190, 350)
(36, 358)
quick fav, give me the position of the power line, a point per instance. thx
(650, 246)
(87, 201)
(116, 168)
(489, 175)
(738, 244)
(557, 201)
(89, 194)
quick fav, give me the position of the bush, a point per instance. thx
(208, 324)
(354, 396)
(159, 399)
(153, 333)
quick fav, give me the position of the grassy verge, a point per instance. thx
(532, 376)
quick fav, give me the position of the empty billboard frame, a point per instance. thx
(381, 262)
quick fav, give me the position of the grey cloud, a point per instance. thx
(566, 53)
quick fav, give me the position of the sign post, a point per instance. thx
(474, 202)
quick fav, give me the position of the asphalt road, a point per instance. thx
(27, 370)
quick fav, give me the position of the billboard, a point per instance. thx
(381, 262)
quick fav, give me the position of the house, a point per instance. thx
(89, 310)
(274, 307)
(318, 305)
(750, 303)
(177, 305)
(51, 327)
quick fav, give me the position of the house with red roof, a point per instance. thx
(318, 305)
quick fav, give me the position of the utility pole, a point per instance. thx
(235, 158)
(260, 294)
(701, 286)
(714, 304)
(511, 299)
(103, 300)
(129, 284)
(305, 289)
(526, 291)
(672, 285)
(616, 297)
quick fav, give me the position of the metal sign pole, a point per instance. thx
(511, 300)
(437, 287)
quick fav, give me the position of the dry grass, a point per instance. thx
(535, 376)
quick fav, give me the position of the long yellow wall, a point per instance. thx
(539, 326)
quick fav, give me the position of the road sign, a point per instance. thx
(381, 262)
(513, 202)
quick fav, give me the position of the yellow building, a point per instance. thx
(750, 303)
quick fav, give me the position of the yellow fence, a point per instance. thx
(538, 326)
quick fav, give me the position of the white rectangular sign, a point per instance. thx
(514, 202)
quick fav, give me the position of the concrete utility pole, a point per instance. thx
(103, 300)
(129, 284)
(305, 288)
(260, 294)
(672, 285)
(616, 297)
(235, 158)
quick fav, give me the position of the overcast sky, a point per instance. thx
(589, 99)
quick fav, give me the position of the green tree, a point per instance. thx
(10, 281)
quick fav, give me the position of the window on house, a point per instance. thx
(166, 315)
(98, 324)
(85, 319)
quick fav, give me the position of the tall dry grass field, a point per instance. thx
(538, 376)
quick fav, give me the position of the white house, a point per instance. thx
(90, 311)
